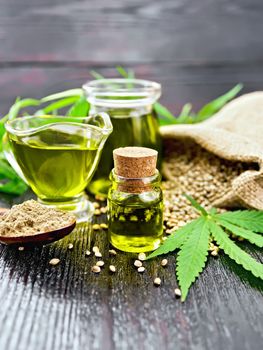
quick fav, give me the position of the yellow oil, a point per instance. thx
(135, 228)
(56, 169)
(128, 130)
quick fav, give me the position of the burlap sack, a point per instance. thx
(234, 133)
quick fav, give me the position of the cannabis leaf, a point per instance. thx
(192, 240)
(196, 205)
(192, 256)
(165, 117)
(234, 252)
(215, 105)
(80, 108)
(187, 116)
(249, 219)
(175, 241)
(244, 233)
(9, 181)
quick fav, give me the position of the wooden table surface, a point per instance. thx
(197, 50)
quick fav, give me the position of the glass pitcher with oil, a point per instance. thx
(129, 102)
(57, 157)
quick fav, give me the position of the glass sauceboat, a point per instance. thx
(57, 157)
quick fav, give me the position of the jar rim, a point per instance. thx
(156, 177)
(122, 93)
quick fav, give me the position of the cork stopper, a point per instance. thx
(135, 162)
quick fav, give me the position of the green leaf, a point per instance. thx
(63, 94)
(2, 132)
(185, 117)
(15, 187)
(249, 219)
(96, 75)
(127, 74)
(19, 104)
(10, 181)
(214, 106)
(234, 252)
(6, 170)
(164, 115)
(175, 240)
(65, 102)
(196, 205)
(122, 72)
(80, 108)
(251, 236)
(192, 256)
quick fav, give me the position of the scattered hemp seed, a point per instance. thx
(88, 253)
(97, 212)
(95, 249)
(96, 269)
(54, 261)
(177, 292)
(137, 263)
(157, 281)
(98, 254)
(112, 268)
(96, 227)
(214, 253)
(96, 205)
(104, 226)
(99, 198)
(103, 210)
(164, 262)
(142, 256)
(21, 248)
(100, 263)
(70, 246)
(112, 252)
(216, 248)
(141, 269)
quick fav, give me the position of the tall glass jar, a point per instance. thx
(129, 102)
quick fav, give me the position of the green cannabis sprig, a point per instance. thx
(193, 239)
(187, 116)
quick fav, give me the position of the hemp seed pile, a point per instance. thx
(198, 173)
(31, 218)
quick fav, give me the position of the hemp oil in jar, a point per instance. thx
(135, 200)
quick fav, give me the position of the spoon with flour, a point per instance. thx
(34, 223)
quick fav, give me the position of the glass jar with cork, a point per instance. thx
(135, 201)
(129, 103)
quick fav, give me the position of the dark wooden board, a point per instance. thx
(68, 307)
(197, 50)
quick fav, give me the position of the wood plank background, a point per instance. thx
(197, 50)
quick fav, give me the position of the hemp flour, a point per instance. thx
(31, 218)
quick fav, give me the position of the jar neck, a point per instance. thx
(122, 112)
(135, 185)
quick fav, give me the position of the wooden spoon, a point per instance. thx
(39, 237)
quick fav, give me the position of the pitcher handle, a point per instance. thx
(10, 157)
(102, 120)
